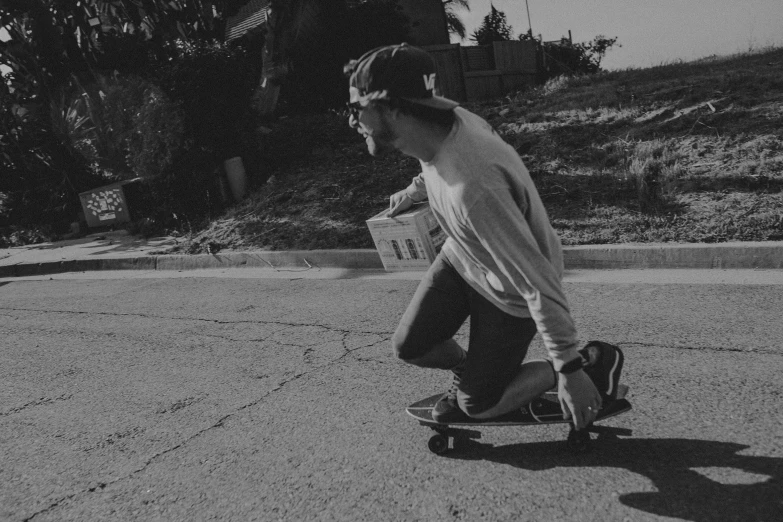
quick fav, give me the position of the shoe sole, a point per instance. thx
(614, 373)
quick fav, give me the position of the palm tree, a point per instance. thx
(454, 24)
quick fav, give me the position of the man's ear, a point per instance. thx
(392, 113)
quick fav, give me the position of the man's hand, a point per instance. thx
(399, 202)
(579, 398)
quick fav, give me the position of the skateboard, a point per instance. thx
(544, 410)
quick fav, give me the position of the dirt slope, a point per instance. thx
(687, 152)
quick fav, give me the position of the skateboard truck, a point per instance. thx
(439, 443)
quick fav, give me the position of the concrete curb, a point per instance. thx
(679, 255)
(78, 265)
(348, 259)
(762, 255)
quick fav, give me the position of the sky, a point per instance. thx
(651, 32)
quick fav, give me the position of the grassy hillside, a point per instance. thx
(686, 152)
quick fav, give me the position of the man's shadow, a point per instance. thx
(669, 463)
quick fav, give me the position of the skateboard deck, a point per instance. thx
(544, 410)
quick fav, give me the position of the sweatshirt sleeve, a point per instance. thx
(417, 190)
(503, 231)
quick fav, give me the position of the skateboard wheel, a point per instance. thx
(438, 444)
(578, 441)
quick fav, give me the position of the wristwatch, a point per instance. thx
(572, 366)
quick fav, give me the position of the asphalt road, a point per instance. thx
(276, 398)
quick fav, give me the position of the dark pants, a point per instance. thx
(498, 341)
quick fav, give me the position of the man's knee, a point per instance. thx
(405, 347)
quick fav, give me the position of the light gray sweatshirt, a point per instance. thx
(499, 235)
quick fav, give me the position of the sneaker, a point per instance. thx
(447, 410)
(603, 363)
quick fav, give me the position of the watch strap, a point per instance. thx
(572, 366)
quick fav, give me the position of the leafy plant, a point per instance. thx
(215, 85)
(41, 173)
(55, 136)
(14, 236)
(580, 58)
(453, 23)
(494, 28)
(157, 134)
(593, 52)
(655, 170)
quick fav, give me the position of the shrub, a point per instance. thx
(556, 84)
(56, 142)
(134, 127)
(214, 84)
(14, 236)
(180, 146)
(40, 173)
(567, 58)
(157, 134)
(98, 122)
(122, 100)
(493, 29)
(655, 170)
(137, 129)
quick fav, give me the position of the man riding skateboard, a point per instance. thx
(501, 265)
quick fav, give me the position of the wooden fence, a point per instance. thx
(483, 72)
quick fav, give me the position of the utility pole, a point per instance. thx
(528, 19)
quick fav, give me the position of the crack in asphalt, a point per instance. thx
(37, 402)
(199, 319)
(755, 351)
(346, 352)
(220, 422)
(342, 330)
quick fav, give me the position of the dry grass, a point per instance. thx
(684, 152)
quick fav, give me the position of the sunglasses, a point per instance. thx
(353, 109)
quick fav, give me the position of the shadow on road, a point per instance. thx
(697, 480)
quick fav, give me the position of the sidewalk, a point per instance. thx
(120, 251)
